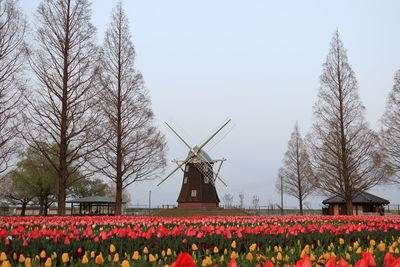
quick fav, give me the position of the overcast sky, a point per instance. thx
(258, 63)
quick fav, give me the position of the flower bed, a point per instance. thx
(155, 241)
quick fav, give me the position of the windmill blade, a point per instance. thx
(180, 138)
(203, 160)
(177, 168)
(218, 138)
(213, 134)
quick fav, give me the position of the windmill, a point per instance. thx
(198, 184)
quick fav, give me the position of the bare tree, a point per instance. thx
(346, 154)
(134, 149)
(61, 117)
(241, 200)
(256, 201)
(228, 200)
(12, 85)
(297, 175)
(391, 130)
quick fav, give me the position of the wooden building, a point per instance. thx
(198, 184)
(363, 204)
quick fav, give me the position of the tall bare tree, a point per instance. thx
(391, 130)
(345, 152)
(241, 200)
(297, 175)
(12, 33)
(134, 148)
(61, 117)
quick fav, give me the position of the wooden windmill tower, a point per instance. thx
(198, 184)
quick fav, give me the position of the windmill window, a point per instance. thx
(194, 193)
(185, 180)
(187, 168)
(206, 180)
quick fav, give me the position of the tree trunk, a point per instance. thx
(24, 204)
(301, 205)
(40, 207)
(349, 205)
(118, 198)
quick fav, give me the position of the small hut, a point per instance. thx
(363, 204)
(94, 205)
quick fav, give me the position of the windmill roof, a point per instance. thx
(361, 198)
(201, 152)
(92, 199)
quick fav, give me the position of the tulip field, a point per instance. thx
(360, 241)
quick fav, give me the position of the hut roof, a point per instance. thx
(361, 198)
(93, 199)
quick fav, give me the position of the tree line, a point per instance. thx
(80, 107)
(341, 155)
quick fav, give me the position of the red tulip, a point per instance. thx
(331, 262)
(268, 264)
(342, 263)
(304, 262)
(232, 263)
(388, 260)
(362, 263)
(396, 263)
(369, 258)
(184, 260)
(25, 243)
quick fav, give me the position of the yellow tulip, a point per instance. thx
(225, 251)
(21, 258)
(3, 256)
(233, 255)
(48, 262)
(65, 257)
(145, 250)
(372, 242)
(276, 249)
(28, 262)
(396, 251)
(253, 247)
(116, 257)
(215, 250)
(287, 258)
(92, 254)
(391, 250)
(85, 259)
(222, 259)
(53, 255)
(151, 258)
(5, 264)
(125, 263)
(169, 252)
(249, 256)
(312, 257)
(136, 255)
(206, 262)
(348, 257)
(112, 248)
(359, 250)
(279, 256)
(43, 254)
(194, 247)
(99, 259)
(382, 247)
(163, 253)
(307, 249)
(341, 241)
(233, 244)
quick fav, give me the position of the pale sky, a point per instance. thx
(258, 63)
